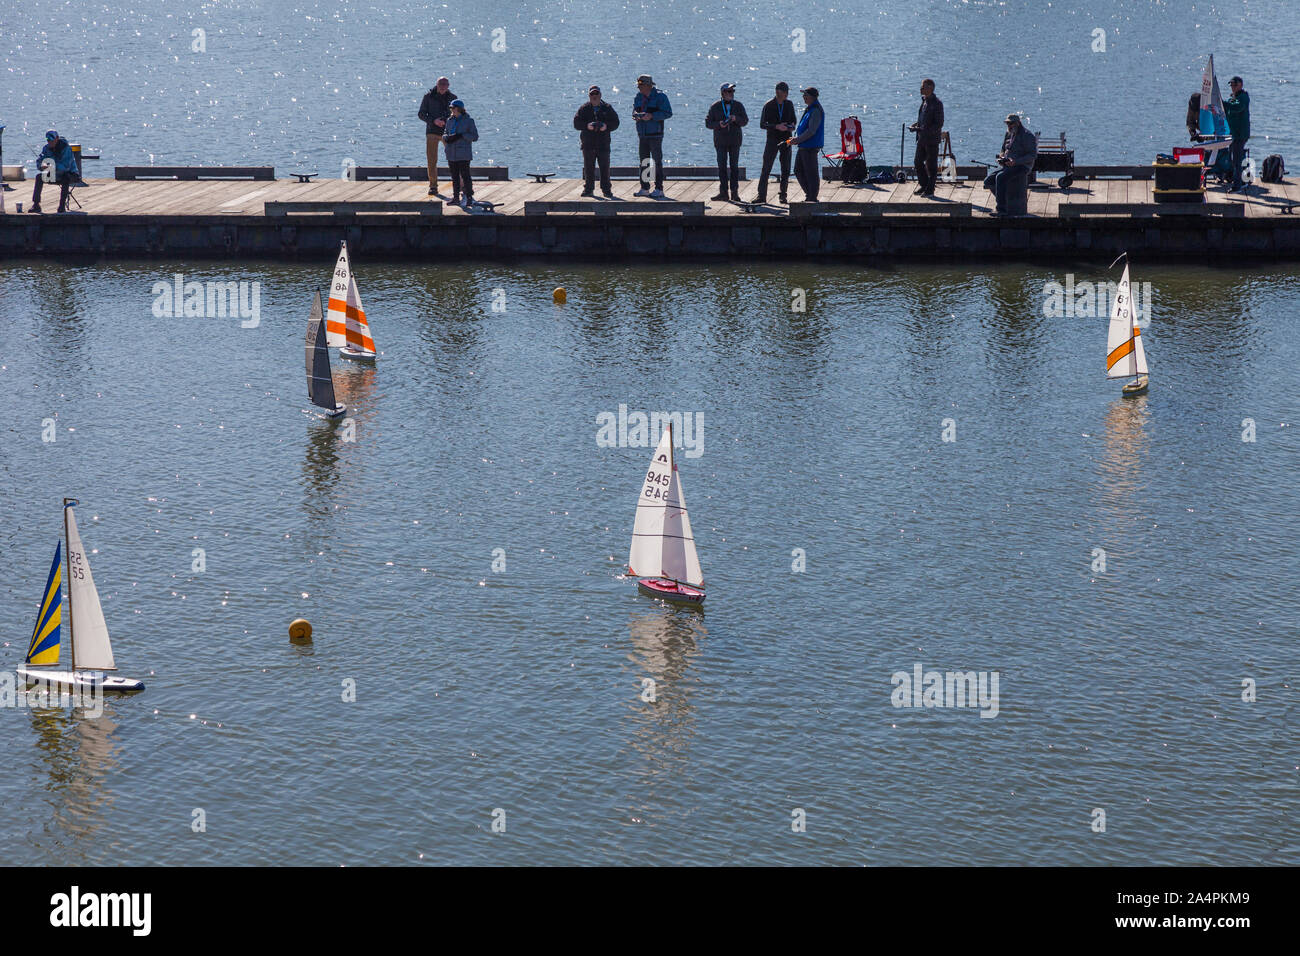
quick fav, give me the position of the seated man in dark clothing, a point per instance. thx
(1019, 150)
(63, 164)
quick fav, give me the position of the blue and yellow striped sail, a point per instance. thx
(45, 636)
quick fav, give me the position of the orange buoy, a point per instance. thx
(300, 632)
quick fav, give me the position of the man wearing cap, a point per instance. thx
(809, 136)
(60, 154)
(929, 131)
(596, 119)
(1019, 150)
(650, 108)
(459, 135)
(778, 119)
(1237, 111)
(435, 109)
(726, 118)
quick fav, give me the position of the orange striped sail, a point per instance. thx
(358, 330)
(336, 312)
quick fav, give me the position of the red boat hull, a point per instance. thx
(670, 591)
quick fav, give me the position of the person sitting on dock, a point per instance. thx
(596, 119)
(1237, 111)
(460, 133)
(778, 119)
(810, 136)
(435, 108)
(1194, 118)
(1019, 150)
(650, 108)
(929, 131)
(60, 154)
(726, 118)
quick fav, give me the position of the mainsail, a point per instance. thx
(320, 382)
(44, 648)
(1124, 355)
(662, 543)
(336, 335)
(91, 649)
(1214, 121)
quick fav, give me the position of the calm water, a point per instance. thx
(310, 84)
(520, 690)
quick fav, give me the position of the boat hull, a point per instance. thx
(1135, 388)
(78, 681)
(356, 356)
(668, 590)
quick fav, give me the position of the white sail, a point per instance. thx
(1124, 355)
(662, 542)
(336, 313)
(91, 647)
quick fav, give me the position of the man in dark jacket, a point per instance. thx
(64, 163)
(1237, 110)
(928, 129)
(596, 119)
(1019, 151)
(435, 108)
(726, 118)
(778, 119)
(809, 136)
(650, 107)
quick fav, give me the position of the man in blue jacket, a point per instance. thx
(1236, 110)
(59, 153)
(809, 137)
(650, 108)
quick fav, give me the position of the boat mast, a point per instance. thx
(67, 550)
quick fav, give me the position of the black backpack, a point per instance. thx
(1274, 169)
(853, 170)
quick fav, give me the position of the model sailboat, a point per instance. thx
(1124, 353)
(1215, 138)
(320, 380)
(89, 649)
(346, 327)
(662, 543)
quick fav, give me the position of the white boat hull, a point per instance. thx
(78, 681)
(355, 355)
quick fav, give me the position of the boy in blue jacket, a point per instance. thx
(650, 108)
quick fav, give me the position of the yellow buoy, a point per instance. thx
(300, 632)
(560, 296)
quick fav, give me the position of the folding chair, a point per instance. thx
(850, 160)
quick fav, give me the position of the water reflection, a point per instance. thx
(1125, 445)
(79, 753)
(664, 641)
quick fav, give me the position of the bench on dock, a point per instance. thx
(490, 173)
(344, 208)
(612, 207)
(1229, 210)
(802, 210)
(194, 172)
(674, 172)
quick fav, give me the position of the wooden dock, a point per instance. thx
(1094, 218)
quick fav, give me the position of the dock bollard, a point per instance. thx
(300, 632)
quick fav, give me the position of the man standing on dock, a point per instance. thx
(929, 130)
(1237, 111)
(726, 118)
(596, 119)
(435, 108)
(650, 108)
(809, 137)
(778, 119)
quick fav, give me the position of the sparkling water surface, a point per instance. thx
(520, 690)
